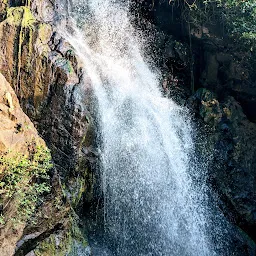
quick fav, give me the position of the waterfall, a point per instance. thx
(154, 202)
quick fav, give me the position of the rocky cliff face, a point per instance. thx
(231, 139)
(46, 77)
(18, 135)
(214, 77)
(45, 74)
(27, 206)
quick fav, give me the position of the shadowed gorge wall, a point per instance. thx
(223, 71)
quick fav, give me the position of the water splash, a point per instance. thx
(152, 202)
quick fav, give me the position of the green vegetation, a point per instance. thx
(66, 244)
(237, 17)
(22, 180)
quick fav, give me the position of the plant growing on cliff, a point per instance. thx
(238, 17)
(22, 180)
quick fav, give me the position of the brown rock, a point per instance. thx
(17, 132)
(16, 128)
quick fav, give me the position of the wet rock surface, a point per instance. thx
(45, 75)
(232, 172)
(214, 76)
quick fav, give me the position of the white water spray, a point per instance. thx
(152, 205)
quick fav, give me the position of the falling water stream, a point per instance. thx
(154, 202)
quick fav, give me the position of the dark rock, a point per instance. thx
(234, 157)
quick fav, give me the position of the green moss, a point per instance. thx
(61, 244)
(55, 245)
(78, 191)
(23, 18)
(20, 16)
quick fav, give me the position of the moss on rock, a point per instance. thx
(20, 16)
(61, 244)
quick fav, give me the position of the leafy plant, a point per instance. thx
(22, 180)
(238, 17)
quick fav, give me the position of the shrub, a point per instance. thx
(238, 17)
(22, 180)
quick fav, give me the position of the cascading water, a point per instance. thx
(153, 202)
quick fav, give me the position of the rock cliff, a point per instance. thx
(46, 78)
(32, 206)
(213, 74)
